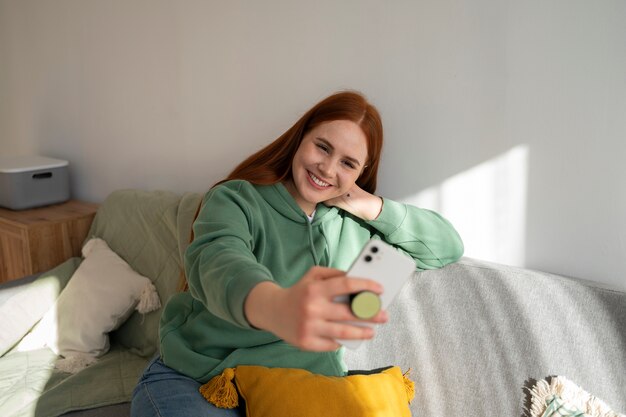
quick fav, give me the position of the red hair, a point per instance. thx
(272, 164)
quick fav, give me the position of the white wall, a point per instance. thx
(508, 117)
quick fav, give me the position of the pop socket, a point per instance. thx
(365, 304)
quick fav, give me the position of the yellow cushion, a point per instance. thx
(277, 392)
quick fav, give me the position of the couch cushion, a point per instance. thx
(288, 392)
(29, 385)
(99, 297)
(142, 227)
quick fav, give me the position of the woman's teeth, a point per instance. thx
(318, 181)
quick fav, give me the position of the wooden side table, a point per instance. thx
(38, 239)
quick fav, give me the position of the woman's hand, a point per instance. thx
(358, 202)
(306, 315)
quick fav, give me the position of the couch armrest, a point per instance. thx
(10, 288)
(25, 301)
(476, 333)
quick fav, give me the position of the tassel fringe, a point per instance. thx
(221, 391)
(149, 299)
(409, 386)
(570, 393)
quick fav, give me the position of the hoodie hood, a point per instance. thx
(279, 198)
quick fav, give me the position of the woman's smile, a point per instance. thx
(316, 181)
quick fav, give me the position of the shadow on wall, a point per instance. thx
(487, 205)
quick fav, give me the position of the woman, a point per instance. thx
(271, 243)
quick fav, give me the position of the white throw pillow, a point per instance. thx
(100, 296)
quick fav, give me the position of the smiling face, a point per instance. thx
(327, 164)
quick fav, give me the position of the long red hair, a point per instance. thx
(272, 164)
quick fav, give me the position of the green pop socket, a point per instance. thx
(365, 304)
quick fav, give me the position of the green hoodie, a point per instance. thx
(246, 234)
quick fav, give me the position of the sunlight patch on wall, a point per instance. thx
(487, 205)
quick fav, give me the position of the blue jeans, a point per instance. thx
(163, 392)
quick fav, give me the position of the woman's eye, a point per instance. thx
(348, 164)
(323, 147)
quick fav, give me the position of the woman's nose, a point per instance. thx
(326, 168)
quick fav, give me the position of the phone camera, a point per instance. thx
(374, 249)
(368, 258)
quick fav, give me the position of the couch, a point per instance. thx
(478, 337)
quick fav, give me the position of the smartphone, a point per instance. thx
(385, 264)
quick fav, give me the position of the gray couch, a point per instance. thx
(476, 335)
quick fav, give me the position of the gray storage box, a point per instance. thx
(32, 181)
